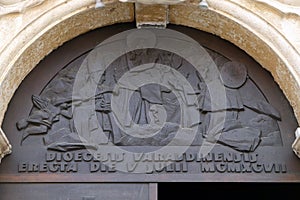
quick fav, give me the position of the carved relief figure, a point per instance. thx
(250, 120)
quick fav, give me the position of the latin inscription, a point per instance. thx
(69, 162)
(154, 112)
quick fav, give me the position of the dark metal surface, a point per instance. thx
(79, 191)
(255, 144)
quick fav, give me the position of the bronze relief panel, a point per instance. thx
(164, 109)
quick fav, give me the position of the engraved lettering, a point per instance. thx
(198, 157)
(228, 157)
(185, 167)
(94, 167)
(178, 167)
(234, 167)
(112, 156)
(170, 168)
(43, 167)
(283, 168)
(63, 167)
(112, 167)
(179, 158)
(257, 168)
(87, 157)
(170, 157)
(77, 157)
(147, 157)
(189, 157)
(207, 158)
(22, 167)
(268, 167)
(277, 168)
(246, 157)
(68, 156)
(246, 167)
(103, 167)
(73, 167)
(221, 167)
(218, 157)
(237, 158)
(33, 167)
(131, 166)
(97, 166)
(50, 156)
(250, 120)
(138, 157)
(158, 157)
(120, 157)
(53, 167)
(149, 169)
(207, 167)
(159, 167)
(251, 157)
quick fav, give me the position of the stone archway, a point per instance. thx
(42, 26)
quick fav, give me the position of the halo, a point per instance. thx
(233, 74)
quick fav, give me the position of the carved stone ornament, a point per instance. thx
(5, 147)
(250, 121)
(289, 2)
(17, 6)
(154, 1)
(296, 143)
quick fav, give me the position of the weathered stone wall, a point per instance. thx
(268, 30)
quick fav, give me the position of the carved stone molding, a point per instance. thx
(151, 15)
(284, 16)
(17, 6)
(5, 147)
(296, 143)
(289, 2)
